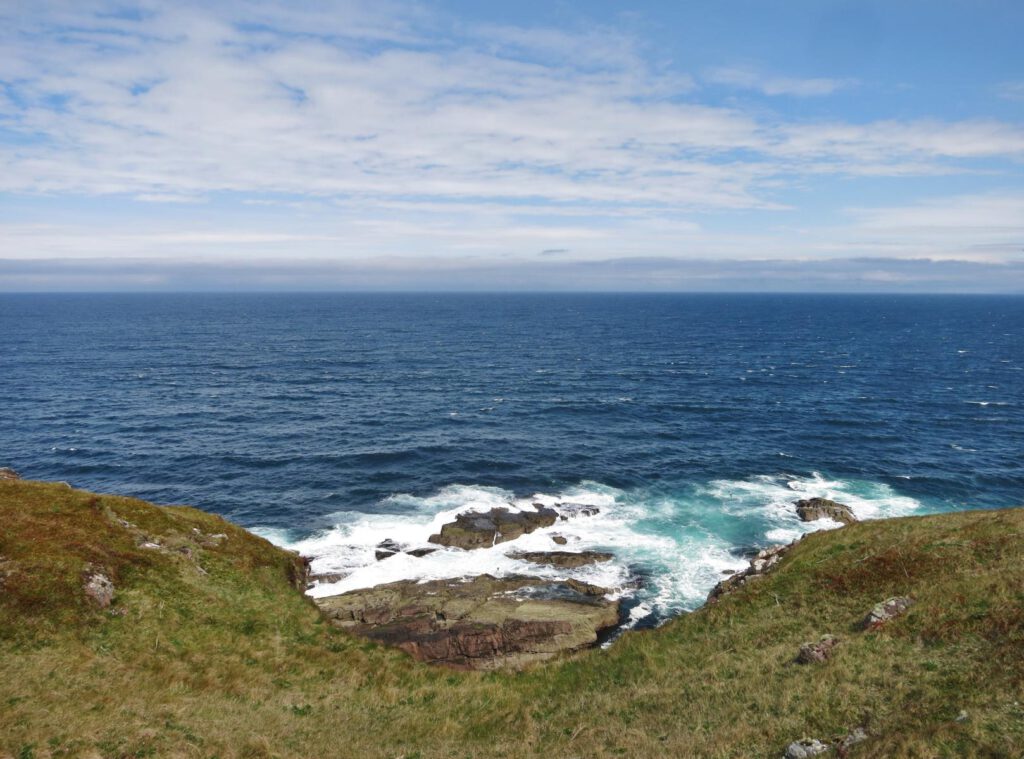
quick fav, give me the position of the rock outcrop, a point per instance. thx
(885, 611)
(564, 559)
(482, 623)
(98, 587)
(482, 530)
(762, 562)
(822, 508)
(7, 473)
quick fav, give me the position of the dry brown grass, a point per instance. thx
(218, 656)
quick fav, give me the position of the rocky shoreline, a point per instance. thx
(485, 622)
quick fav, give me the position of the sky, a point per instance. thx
(805, 145)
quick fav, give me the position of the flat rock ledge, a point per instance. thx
(564, 559)
(482, 623)
(813, 509)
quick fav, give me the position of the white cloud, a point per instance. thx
(384, 102)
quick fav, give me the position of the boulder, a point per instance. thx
(564, 559)
(98, 587)
(886, 611)
(482, 530)
(822, 508)
(8, 474)
(482, 623)
(559, 539)
(817, 653)
(805, 748)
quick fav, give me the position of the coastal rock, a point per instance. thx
(822, 508)
(99, 588)
(419, 553)
(325, 578)
(564, 559)
(762, 562)
(559, 539)
(386, 548)
(482, 623)
(482, 530)
(886, 611)
(817, 653)
(7, 473)
(806, 748)
(570, 510)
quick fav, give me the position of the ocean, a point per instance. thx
(331, 422)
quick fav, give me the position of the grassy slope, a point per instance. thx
(235, 662)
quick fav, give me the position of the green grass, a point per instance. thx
(217, 654)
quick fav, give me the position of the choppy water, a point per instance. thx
(331, 422)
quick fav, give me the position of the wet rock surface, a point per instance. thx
(564, 559)
(481, 530)
(813, 509)
(482, 623)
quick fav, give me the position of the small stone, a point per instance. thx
(857, 735)
(560, 539)
(803, 749)
(963, 716)
(817, 653)
(886, 611)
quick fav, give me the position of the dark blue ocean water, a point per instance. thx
(328, 422)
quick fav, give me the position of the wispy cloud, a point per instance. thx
(748, 78)
(1011, 90)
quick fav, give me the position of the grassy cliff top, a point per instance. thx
(208, 649)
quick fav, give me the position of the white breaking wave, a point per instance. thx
(669, 551)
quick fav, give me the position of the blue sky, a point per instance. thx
(531, 145)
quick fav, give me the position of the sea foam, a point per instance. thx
(670, 549)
